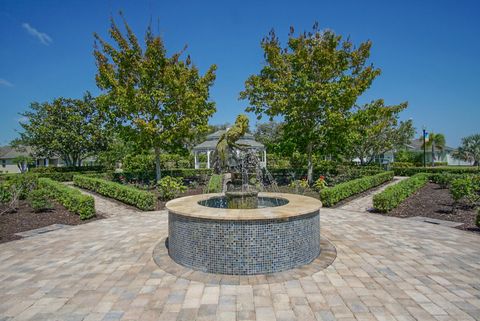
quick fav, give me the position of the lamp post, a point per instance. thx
(424, 147)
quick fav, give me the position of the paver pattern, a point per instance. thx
(386, 269)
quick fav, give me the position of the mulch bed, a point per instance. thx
(25, 219)
(436, 202)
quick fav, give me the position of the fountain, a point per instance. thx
(249, 228)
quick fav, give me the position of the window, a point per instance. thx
(4, 163)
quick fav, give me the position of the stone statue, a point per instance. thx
(227, 146)
(234, 161)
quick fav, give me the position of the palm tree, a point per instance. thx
(469, 150)
(435, 141)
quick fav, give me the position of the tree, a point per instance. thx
(155, 100)
(469, 150)
(435, 141)
(313, 83)
(23, 162)
(272, 135)
(374, 130)
(72, 129)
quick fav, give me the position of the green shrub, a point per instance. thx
(441, 169)
(130, 195)
(393, 195)
(201, 176)
(441, 163)
(66, 169)
(402, 164)
(38, 200)
(72, 199)
(332, 195)
(215, 184)
(170, 187)
(466, 189)
(443, 179)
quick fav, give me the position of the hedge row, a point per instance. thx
(410, 171)
(72, 199)
(66, 169)
(130, 195)
(332, 195)
(393, 195)
(188, 174)
(56, 176)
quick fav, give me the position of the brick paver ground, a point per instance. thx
(386, 269)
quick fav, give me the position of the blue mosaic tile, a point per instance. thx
(244, 247)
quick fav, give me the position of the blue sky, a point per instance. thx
(428, 50)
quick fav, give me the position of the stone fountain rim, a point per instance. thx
(297, 205)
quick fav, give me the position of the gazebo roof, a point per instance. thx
(212, 139)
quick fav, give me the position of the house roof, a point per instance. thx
(417, 145)
(9, 152)
(212, 139)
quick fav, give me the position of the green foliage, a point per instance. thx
(402, 164)
(444, 179)
(469, 150)
(408, 156)
(143, 200)
(170, 187)
(332, 195)
(5, 194)
(312, 82)
(448, 169)
(66, 169)
(215, 184)
(393, 195)
(24, 162)
(146, 162)
(272, 135)
(320, 183)
(19, 184)
(375, 130)
(148, 178)
(158, 102)
(72, 199)
(70, 128)
(466, 189)
(38, 200)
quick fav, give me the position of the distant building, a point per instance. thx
(9, 154)
(444, 155)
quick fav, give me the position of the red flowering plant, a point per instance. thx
(320, 183)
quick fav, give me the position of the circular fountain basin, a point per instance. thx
(281, 234)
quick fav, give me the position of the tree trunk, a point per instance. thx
(158, 170)
(309, 164)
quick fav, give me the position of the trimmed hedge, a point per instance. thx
(143, 200)
(393, 195)
(441, 169)
(72, 199)
(188, 175)
(332, 195)
(66, 169)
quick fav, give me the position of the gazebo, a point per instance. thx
(208, 147)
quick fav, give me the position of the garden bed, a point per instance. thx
(435, 202)
(26, 219)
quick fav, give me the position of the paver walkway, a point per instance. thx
(365, 203)
(386, 269)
